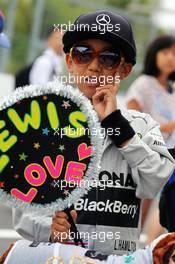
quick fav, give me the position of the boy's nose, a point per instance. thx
(94, 65)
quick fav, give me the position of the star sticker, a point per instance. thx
(66, 192)
(11, 167)
(36, 145)
(61, 147)
(44, 97)
(42, 196)
(45, 131)
(1, 184)
(16, 176)
(22, 156)
(66, 104)
(53, 143)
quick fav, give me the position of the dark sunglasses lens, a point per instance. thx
(110, 59)
(82, 55)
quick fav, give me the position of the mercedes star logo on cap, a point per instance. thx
(103, 19)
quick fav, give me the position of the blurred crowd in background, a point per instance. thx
(36, 48)
(28, 22)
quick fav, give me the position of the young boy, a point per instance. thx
(136, 160)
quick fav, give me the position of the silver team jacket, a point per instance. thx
(109, 216)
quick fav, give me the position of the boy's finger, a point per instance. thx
(111, 87)
(62, 222)
(61, 214)
(108, 88)
(107, 91)
(99, 96)
(58, 228)
(74, 215)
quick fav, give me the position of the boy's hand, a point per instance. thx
(104, 100)
(60, 226)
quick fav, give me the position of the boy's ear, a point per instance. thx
(69, 61)
(125, 70)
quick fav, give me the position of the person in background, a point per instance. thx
(51, 62)
(152, 92)
(4, 40)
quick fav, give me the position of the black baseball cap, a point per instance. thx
(104, 25)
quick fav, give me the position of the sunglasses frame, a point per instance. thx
(96, 54)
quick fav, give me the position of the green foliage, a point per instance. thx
(4, 4)
(125, 3)
(20, 42)
(55, 12)
(118, 3)
(60, 12)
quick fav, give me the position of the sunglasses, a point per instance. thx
(83, 54)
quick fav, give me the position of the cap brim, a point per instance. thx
(71, 37)
(4, 41)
